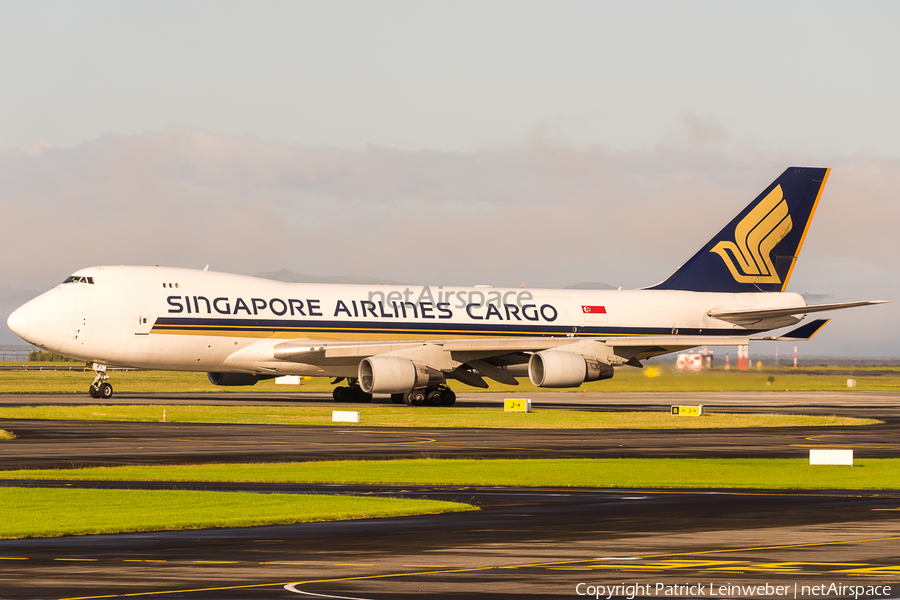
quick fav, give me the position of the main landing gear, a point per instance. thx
(100, 388)
(432, 396)
(351, 393)
(439, 395)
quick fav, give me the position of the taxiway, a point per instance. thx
(522, 543)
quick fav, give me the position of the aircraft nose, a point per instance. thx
(18, 322)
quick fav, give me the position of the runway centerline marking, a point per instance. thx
(780, 547)
(216, 562)
(872, 571)
(79, 559)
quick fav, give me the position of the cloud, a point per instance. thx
(542, 212)
(701, 131)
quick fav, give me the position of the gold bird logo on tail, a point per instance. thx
(748, 257)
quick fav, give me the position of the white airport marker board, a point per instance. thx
(824, 456)
(288, 380)
(345, 416)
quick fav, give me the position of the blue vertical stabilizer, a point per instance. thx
(757, 250)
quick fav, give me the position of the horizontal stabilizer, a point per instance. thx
(802, 333)
(739, 316)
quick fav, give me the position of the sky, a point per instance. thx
(455, 143)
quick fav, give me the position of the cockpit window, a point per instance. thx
(79, 279)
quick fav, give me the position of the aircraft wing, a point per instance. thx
(308, 350)
(495, 358)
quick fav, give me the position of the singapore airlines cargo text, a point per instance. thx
(508, 306)
(713, 590)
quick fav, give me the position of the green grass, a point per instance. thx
(48, 381)
(665, 379)
(627, 379)
(614, 472)
(401, 416)
(6, 435)
(31, 512)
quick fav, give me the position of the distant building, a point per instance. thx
(695, 361)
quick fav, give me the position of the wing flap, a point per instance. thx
(473, 352)
(312, 351)
(679, 341)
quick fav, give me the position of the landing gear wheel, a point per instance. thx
(414, 398)
(433, 398)
(350, 394)
(99, 388)
(397, 398)
(361, 396)
(448, 398)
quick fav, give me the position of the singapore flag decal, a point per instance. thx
(594, 314)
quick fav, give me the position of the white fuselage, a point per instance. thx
(189, 320)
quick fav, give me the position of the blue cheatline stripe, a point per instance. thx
(241, 325)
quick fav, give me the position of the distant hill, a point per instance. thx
(590, 285)
(291, 277)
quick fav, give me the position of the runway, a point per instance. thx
(523, 543)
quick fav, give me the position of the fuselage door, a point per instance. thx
(141, 322)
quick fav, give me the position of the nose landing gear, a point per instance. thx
(99, 388)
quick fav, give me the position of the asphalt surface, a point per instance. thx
(522, 543)
(59, 444)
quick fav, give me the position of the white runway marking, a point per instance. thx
(291, 587)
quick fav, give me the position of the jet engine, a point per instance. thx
(395, 375)
(555, 369)
(234, 379)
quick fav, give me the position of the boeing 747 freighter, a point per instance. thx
(409, 341)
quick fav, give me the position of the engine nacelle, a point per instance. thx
(234, 379)
(556, 369)
(395, 375)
